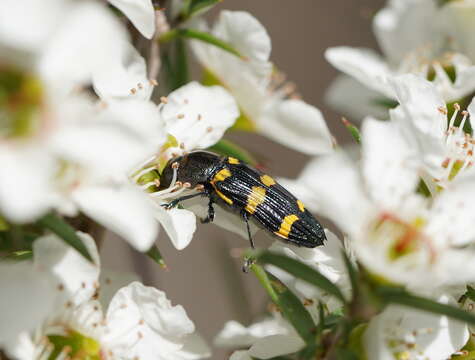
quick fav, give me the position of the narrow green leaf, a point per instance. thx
(198, 7)
(202, 36)
(229, 148)
(385, 103)
(301, 271)
(19, 255)
(401, 297)
(294, 311)
(354, 131)
(181, 64)
(265, 282)
(352, 273)
(156, 256)
(288, 303)
(61, 228)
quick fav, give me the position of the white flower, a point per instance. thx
(443, 149)
(263, 97)
(404, 333)
(44, 55)
(417, 37)
(79, 151)
(139, 321)
(394, 232)
(195, 117)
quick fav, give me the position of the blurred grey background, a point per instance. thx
(204, 278)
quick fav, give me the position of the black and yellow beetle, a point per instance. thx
(246, 191)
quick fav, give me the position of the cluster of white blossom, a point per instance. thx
(83, 136)
(403, 200)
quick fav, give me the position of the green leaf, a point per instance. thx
(470, 293)
(201, 36)
(354, 131)
(352, 273)
(229, 148)
(290, 305)
(401, 297)
(294, 310)
(385, 103)
(61, 228)
(181, 64)
(156, 256)
(198, 7)
(301, 271)
(3, 224)
(19, 255)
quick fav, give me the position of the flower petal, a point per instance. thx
(390, 176)
(180, 225)
(276, 345)
(334, 189)
(72, 54)
(405, 25)
(453, 213)
(27, 299)
(140, 12)
(21, 198)
(160, 327)
(421, 119)
(247, 35)
(75, 276)
(198, 115)
(195, 347)
(235, 335)
(108, 141)
(123, 209)
(364, 65)
(354, 100)
(297, 125)
(124, 76)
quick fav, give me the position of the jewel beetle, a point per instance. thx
(246, 191)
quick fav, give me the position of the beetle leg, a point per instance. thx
(248, 261)
(245, 216)
(176, 201)
(210, 216)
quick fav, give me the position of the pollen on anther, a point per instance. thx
(83, 285)
(175, 165)
(157, 182)
(200, 117)
(153, 82)
(199, 187)
(209, 129)
(141, 322)
(164, 100)
(442, 110)
(140, 335)
(186, 185)
(140, 86)
(457, 106)
(180, 116)
(133, 91)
